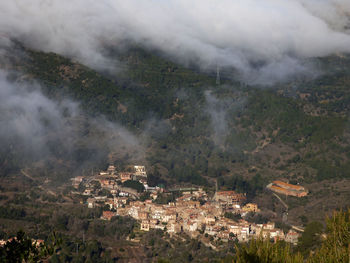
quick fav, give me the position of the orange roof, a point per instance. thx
(143, 212)
(283, 184)
(107, 214)
(288, 192)
(280, 189)
(228, 193)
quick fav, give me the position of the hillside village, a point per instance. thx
(193, 212)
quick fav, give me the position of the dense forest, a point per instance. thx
(193, 126)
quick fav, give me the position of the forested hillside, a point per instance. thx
(189, 130)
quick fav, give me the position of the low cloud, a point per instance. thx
(36, 128)
(219, 110)
(266, 41)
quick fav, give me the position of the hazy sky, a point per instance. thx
(274, 34)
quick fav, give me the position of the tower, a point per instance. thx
(215, 197)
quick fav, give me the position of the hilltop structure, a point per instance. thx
(287, 189)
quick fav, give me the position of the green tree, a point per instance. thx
(24, 249)
(134, 185)
(311, 238)
(263, 251)
(20, 248)
(336, 246)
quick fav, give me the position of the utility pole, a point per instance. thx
(217, 74)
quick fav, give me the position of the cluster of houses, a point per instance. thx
(196, 218)
(193, 213)
(287, 189)
(112, 181)
(106, 187)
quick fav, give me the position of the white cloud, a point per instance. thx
(233, 33)
(38, 126)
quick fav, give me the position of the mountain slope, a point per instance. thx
(190, 130)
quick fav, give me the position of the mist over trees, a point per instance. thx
(265, 41)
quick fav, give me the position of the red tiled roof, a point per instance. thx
(283, 184)
(227, 193)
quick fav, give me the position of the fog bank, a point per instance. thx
(265, 40)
